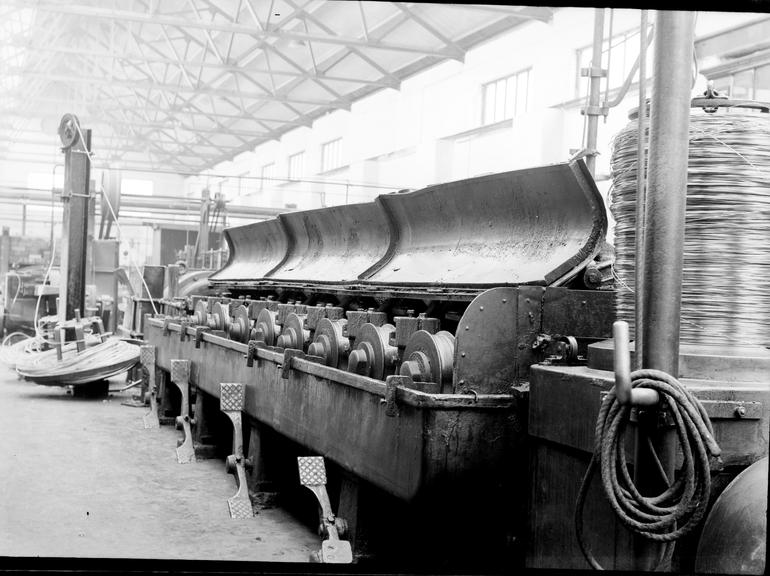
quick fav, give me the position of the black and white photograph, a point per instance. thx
(382, 287)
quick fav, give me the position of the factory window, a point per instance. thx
(625, 51)
(331, 155)
(136, 187)
(750, 84)
(506, 97)
(296, 165)
(267, 172)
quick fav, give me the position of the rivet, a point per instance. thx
(481, 307)
(467, 327)
(505, 300)
(462, 354)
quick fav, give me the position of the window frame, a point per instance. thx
(339, 162)
(506, 100)
(289, 161)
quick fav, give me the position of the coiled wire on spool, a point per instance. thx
(678, 510)
(725, 292)
(96, 362)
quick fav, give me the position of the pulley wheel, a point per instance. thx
(221, 313)
(429, 357)
(373, 356)
(294, 334)
(267, 330)
(329, 343)
(200, 315)
(240, 326)
(68, 130)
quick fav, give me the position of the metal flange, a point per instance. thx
(429, 357)
(329, 342)
(266, 329)
(240, 326)
(374, 356)
(201, 313)
(220, 317)
(294, 335)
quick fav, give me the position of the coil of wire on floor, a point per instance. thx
(678, 510)
(726, 252)
(97, 362)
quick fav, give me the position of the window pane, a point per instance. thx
(296, 165)
(267, 172)
(331, 155)
(510, 97)
(762, 84)
(522, 93)
(489, 103)
(743, 83)
(500, 101)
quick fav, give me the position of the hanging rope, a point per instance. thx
(674, 513)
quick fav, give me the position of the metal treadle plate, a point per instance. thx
(231, 396)
(240, 508)
(336, 552)
(312, 471)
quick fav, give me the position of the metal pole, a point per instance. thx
(203, 229)
(641, 185)
(664, 237)
(594, 99)
(667, 190)
(75, 196)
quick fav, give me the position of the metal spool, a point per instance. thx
(240, 327)
(266, 329)
(294, 334)
(429, 357)
(200, 315)
(220, 317)
(374, 356)
(329, 342)
(725, 295)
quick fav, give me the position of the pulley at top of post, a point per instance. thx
(711, 102)
(68, 130)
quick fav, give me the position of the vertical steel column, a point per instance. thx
(664, 222)
(594, 99)
(203, 229)
(667, 190)
(75, 196)
(5, 255)
(641, 189)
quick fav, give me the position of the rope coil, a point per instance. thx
(678, 510)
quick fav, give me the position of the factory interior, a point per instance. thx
(394, 286)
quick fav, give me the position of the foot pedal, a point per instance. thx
(312, 475)
(147, 357)
(231, 400)
(180, 376)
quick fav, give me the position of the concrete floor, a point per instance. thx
(81, 477)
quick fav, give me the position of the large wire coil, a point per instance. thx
(97, 362)
(725, 291)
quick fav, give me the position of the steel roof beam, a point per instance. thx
(144, 85)
(133, 16)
